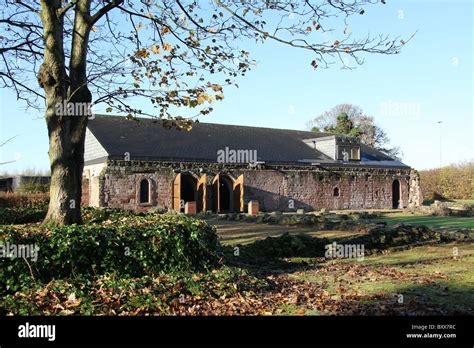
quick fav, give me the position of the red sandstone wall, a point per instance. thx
(85, 192)
(310, 190)
(314, 191)
(120, 190)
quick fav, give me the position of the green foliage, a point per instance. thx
(31, 186)
(451, 182)
(344, 126)
(349, 119)
(21, 215)
(99, 215)
(20, 208)
(286, 245)
(133, 246)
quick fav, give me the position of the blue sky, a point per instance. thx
(432, 79)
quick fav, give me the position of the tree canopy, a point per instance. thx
(349, 119)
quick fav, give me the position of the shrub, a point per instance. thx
(31, 186)
(98, 215)
(24, 200)
(133, 246)
(286, 245)
(19, 215)
(381, 237)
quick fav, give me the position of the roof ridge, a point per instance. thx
(222, 124)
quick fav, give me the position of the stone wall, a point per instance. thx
(313, 190)
(276, 188)
(415, 197)
(85, 192)
(120, 189)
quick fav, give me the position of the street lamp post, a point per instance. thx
(440, 138)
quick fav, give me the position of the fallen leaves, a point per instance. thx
(327, 288)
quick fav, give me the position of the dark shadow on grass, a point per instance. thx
(436, 298)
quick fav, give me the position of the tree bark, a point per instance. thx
(66, 132)
(78, 91)
(65, 199)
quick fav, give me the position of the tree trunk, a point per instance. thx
(65, 199)
(78, 91)
(66, 132)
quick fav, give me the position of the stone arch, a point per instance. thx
(223, 190)
(144, 191)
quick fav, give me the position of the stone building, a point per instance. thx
(142, 165)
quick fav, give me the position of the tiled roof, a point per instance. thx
(148, 140)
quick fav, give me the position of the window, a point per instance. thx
(348, 152)
(355, 153)
(144, 191)
(336, 192)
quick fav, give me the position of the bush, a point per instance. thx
(31, 186)
(133, 246)
(98, 215)
(21, 208)
(382, 237)
(24, 200)
(286, 245)
(21, 215)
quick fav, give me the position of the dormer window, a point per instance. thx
(337, 147)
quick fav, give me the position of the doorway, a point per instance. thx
(396, 194)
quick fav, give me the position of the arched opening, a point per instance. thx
(396, 194)
(225, 195)
(222, 194)
(335, 192)
(144, 191)
(188, 189)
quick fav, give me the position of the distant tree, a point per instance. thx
(350, 120)
(344, 125)
(438, 183)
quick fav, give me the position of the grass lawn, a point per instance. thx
(236, 232)
(465, 201)
(425, 276)
(429, 279)
(428, 220)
